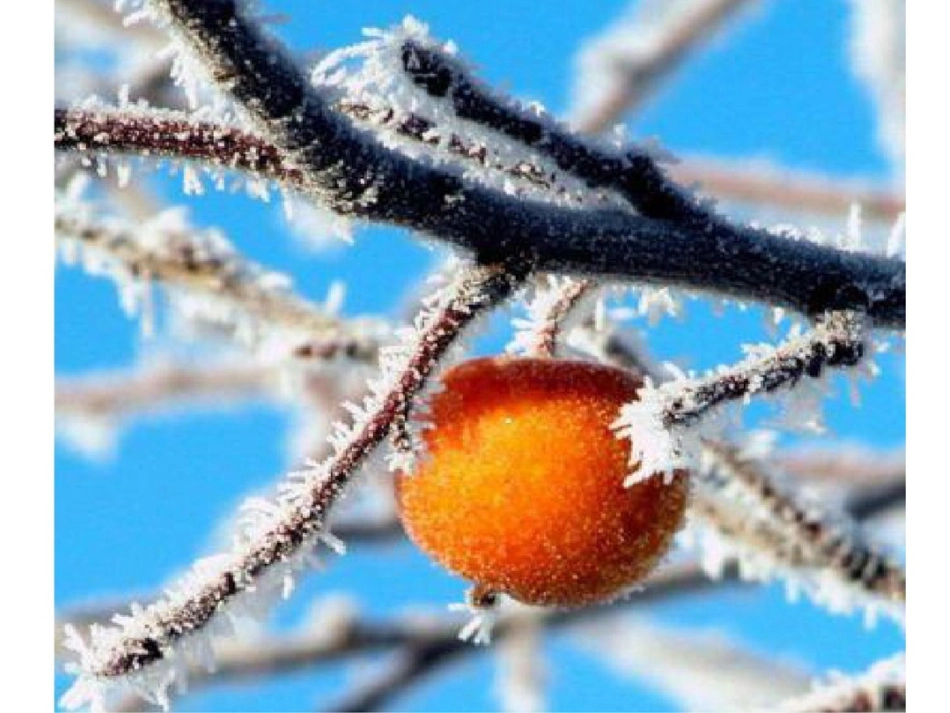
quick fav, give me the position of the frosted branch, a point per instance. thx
(770, 532)
(208, 277)
(115, 394)
(553, 302)
(278, 536)
(882, 688)
(620, 68)
(176, 135)
(662, 423)
(776, 534)
(347, 170)
(158, 133)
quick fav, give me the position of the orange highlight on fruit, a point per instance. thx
(521, 490)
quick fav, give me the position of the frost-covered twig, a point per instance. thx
(277, 536)
(356, 637)
(554, 301)
(351, 173)
(619, 68)
(208, 277)
(882, 688)
(663, 421)
(831, 557)
(769, 531)
(158, 133)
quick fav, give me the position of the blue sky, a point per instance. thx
(777, 86)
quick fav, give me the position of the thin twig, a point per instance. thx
(837, 341)
(786, 189)
(805, 539)
(757, 515)
(238, 661)
(203, 264)
(116, 394)
(279, 536)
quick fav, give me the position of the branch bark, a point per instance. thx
(346, 169)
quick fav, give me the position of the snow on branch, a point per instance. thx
(347, 169)
(149, 649)
(554, 305)
(107, 131)
(162, 133)
(620, 67)
(771, 534)
(882, 688)
(743, 515)
(207, 277)
(663, 425)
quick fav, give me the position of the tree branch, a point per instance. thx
(203, 264)
(161, 133)
(738, 498)
(346, 169)
(803, 538)
(278, 535)
(882, 688)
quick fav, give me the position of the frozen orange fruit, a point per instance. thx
(521, 489)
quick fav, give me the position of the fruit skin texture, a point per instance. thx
(522, 489)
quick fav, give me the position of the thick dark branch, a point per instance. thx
(634, 173)
(350, 172)
(159, 133)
